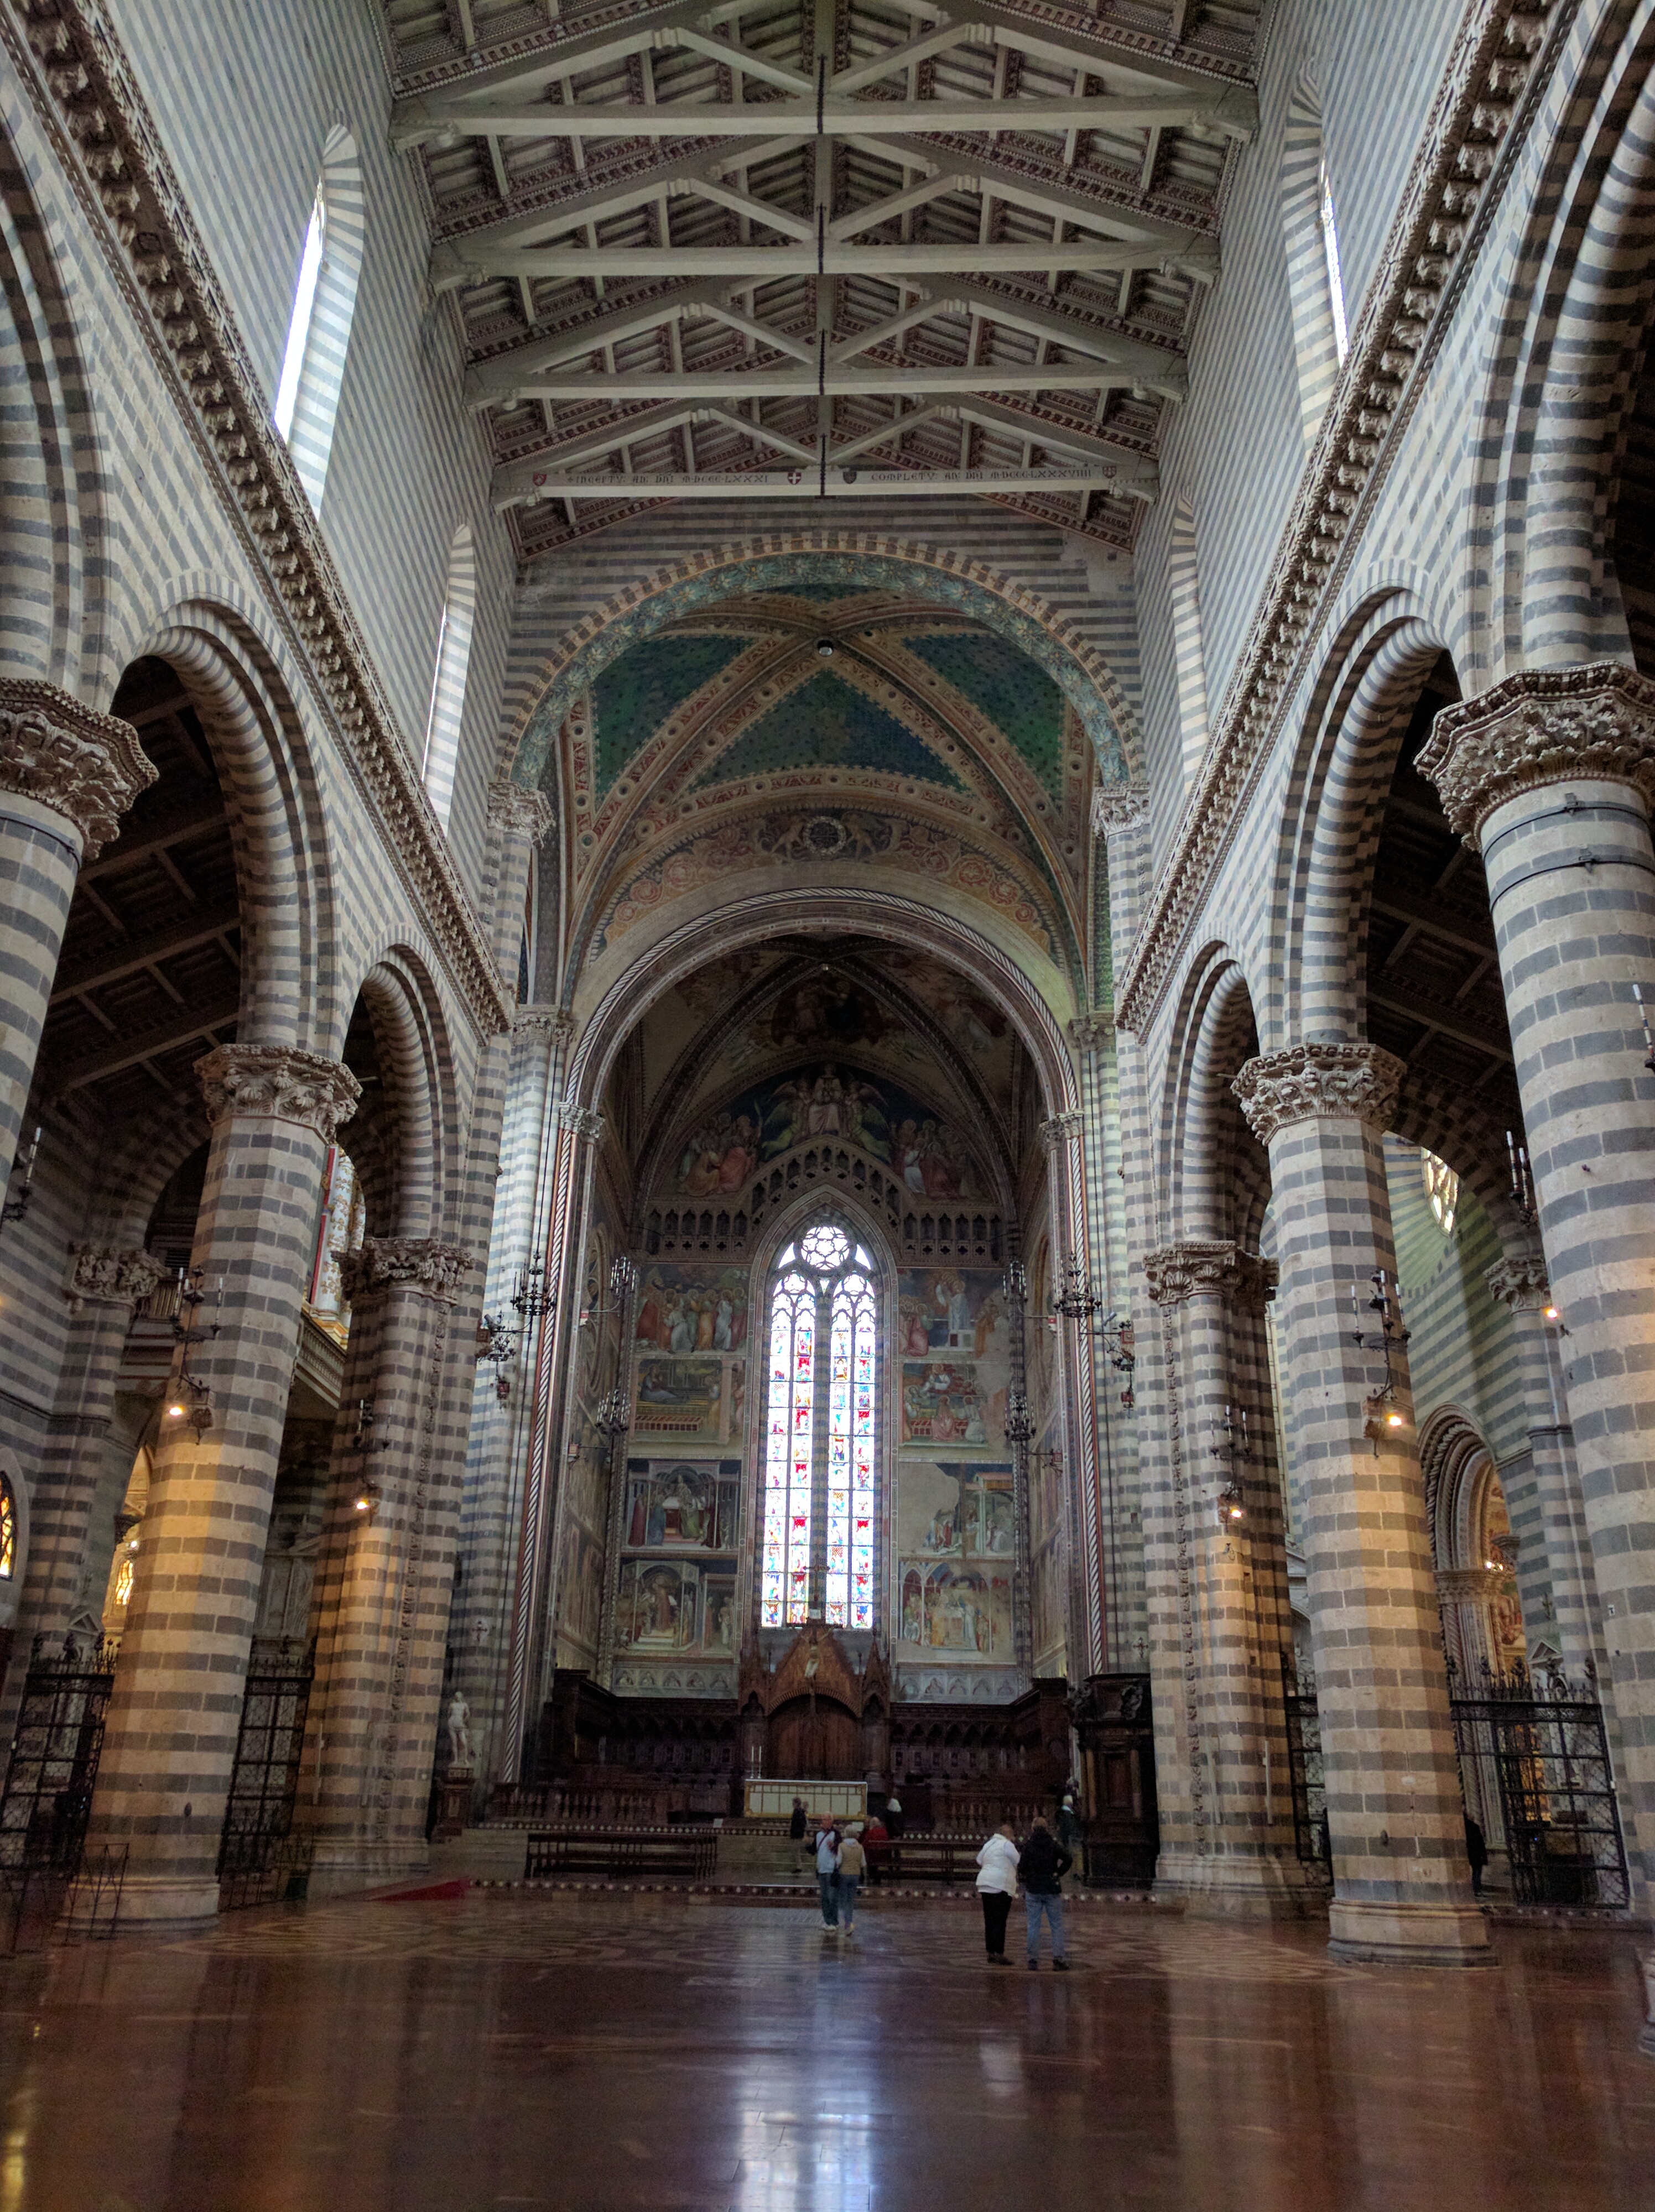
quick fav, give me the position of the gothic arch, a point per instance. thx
(406, 1147)
(1214, 1173)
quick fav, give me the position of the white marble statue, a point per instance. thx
(460, 1731)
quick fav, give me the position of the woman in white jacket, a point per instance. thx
(997, 1883)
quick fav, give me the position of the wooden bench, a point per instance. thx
(679, 1852)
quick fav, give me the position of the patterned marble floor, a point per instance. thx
(590, 2054)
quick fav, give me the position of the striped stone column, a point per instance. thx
(170, 1743)
(68, 1561)
(387, 1568)
(1550, 777)
(1555, 1578)
(1395, 1812)
(1061, 1138)
(67, 776)
(1223, 1781)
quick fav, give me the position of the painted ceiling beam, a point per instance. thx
(803, 484)
(1156, 370)
(572, 53)
(911, 51)
(898, 429)
(869, 377)
(502, 379)
(445, 122)
(763, 264)
(1047, 196)
(1077, 45)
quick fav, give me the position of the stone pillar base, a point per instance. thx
(1237, 1886)
(338, 1869)
(1409, 1935)
(160, 1900)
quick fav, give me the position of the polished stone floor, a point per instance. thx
(585, 2053)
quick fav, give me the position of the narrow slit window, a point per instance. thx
(1330, 222)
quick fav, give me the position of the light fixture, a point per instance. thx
(1231, 1506)
(177, 1412)
(614, 1415)
(1551, 1313)
(1393, 1420)
(530, 1297)
(1020, 1421)
(14, 1208)
(825, 648)
(1522, 1183)
(1077, 1300)
(364, 1498)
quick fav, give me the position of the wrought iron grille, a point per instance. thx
(47, 1799)
(258, 1856)
(1534, 1767)
(1310, 1797)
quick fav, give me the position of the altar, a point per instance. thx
(773, 1800)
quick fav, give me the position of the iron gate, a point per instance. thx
(259, 1855)
(47, 1800)
(1535, 1765)
(1310, 1797)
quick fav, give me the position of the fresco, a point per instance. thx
(680, 1506)
(583, 1506)
(827, 1098)
(686, 1309)
(981, 1030)
(579, 1589)
(664, 1606)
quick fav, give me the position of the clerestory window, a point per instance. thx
(821, 1444)
(324, 303)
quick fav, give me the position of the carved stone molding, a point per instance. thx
(1177, 1272)
(420, 1263)
(72, 61)
(1062, 1129)
(515, 812)
(1496, 73)
(1281, 1088)
(87, 766)
(280, 1081)
(1522, 1285)
(1124, 807)
(1542, 728)
(97, 1276)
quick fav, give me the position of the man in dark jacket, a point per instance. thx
(1042, 1864)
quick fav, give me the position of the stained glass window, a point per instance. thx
(1442, 1187)
(7, 1531)
(811, 1560)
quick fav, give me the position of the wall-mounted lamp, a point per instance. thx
(14, 1208)
(1231, 1506)
(364, 1500)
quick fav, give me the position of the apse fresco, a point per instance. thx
(680, 1534)
(680, 1506)
(827, 1098)
(665, 1608)
(583, 1507)
(684, 1308)
(956, 1547)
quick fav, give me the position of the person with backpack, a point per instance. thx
(853, 1864)
(996, 1885)
(1043, 1863)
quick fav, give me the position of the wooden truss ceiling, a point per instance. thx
(824, 248)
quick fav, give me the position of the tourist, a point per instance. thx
(876, 1842)
(798, 1824)
(997, 1883)
(1068, 1826)
(1043, 1864)
(827, 1873)
(852, 1862)
(893, 1816)
(1477, 1850)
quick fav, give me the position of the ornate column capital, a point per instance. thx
(1542, 728)
(586, 1121)
(87, 765)
(419, 1263)
(1523, 1285)
(98, 1276)
(1177, 1272)
(280, 1081)
(1117, 807)
(549, 1022)
(1062, 1129)
(517, 813)
(1280, 1088)
(1090, 1032)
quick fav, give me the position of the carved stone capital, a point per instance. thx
(515, 812)
(1062, 1129)
(1126, 806)
(280, 1081)
(389, 1263)
(1281, 1088)
(548, 1022)
(1091, 1032)
(1544, 727)
(98, 1276)
(82, 764)
(1178, 1271)
(1522, 1285)
(586, 1121)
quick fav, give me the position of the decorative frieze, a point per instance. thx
(1348, 1080)
(279, 1081)
(97, 1276)
(1522, 1285)
(82, 764)
(1124, 807)
(549, 1022)
(1242, 1279)
(515, 812)
(71, 58)
(1543, 726)
(1498, 63)
(419, 1263)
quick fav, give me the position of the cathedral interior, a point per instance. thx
(707, 1201)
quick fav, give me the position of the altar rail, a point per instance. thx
(690, 1853)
